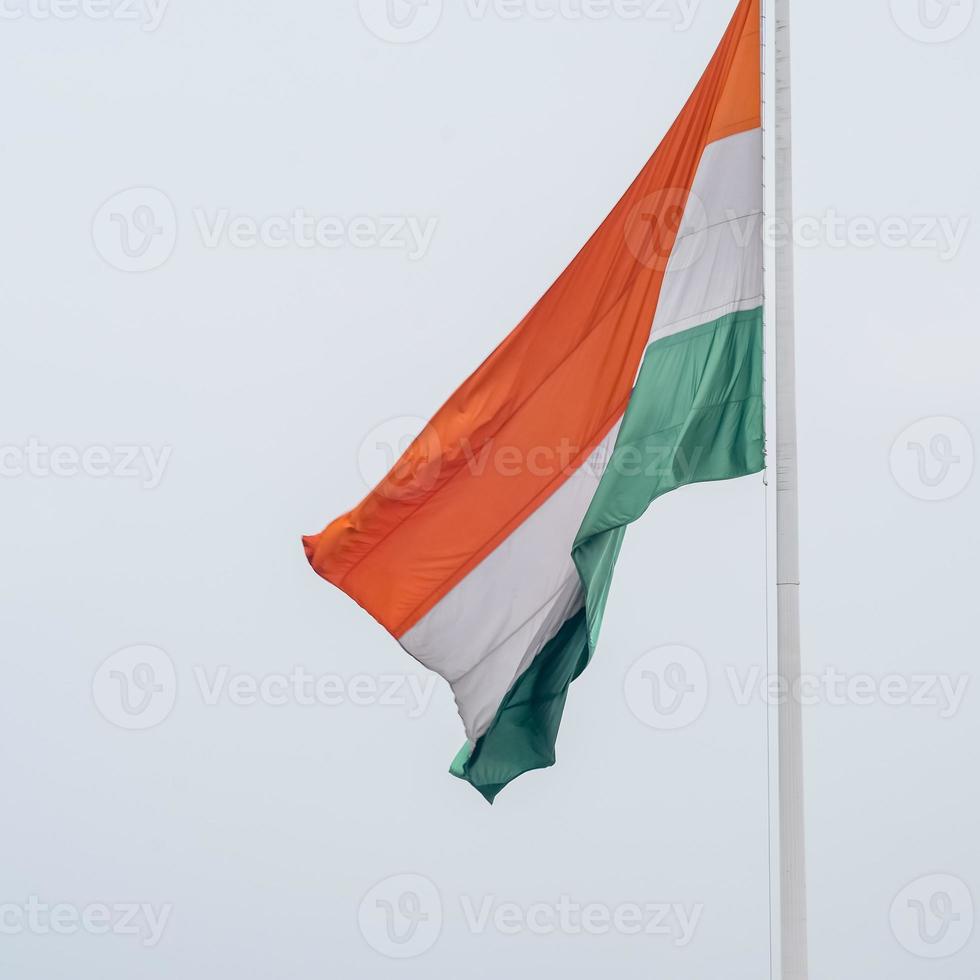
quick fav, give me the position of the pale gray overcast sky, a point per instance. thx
(215, 765)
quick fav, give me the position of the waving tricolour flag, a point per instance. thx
(640, 370)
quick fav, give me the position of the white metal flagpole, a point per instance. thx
(792, 850)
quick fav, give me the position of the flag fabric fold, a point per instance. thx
(488, 551)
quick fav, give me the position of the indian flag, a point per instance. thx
(488, 551)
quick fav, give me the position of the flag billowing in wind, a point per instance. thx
(488, 550)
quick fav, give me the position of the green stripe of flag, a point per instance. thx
(696, 415)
